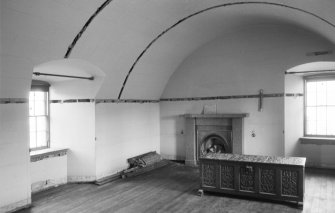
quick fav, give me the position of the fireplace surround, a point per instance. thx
(212, 133)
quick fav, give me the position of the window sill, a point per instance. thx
(317, 141)
(47, 153)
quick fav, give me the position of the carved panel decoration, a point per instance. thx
(208, 175)
(267, 180)
(227, 177)
(247, 178)
(275, 178)
(290, 183)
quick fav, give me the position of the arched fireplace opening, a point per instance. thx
(219, 133)
(214, 144)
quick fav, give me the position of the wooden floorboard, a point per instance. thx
(174, 189)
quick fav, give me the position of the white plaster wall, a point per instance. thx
(240, 63)
(122, 131)
(48, 172)
(268, 141)
(294, 115)
(72, 127)
(321, 156)
(74, 89)
(14, 157)
(15, 189)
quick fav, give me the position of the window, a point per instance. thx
(39, 115)
(320, 106)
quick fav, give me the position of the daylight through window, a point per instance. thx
(320, 107)
(39, 119)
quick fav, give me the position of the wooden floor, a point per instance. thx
(174, 189)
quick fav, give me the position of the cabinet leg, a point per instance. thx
(300, 205)
(200, 192)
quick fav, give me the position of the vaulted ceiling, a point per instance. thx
(138, 44)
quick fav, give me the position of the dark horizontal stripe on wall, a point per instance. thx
(13, 100)
(141, 101)
(273, 95)
(87, 100)
(72, 101)
(293, 94)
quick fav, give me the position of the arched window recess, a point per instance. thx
(313, 68)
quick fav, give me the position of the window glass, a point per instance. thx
(321, 93)
(331, 93)
(38, 119)
(331, 122)
(320, 107)
(40, 108)
(311, 94)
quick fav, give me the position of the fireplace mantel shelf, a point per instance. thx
(225, 115)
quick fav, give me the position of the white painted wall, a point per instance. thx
(267, 126)
(14, 136)
(321, 156)
(74, 89)
(49, 172)
(72, 126)
(239, 63)
(294, 115)
(124, 131)
(14, 157)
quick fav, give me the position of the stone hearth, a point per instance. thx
(212, 133)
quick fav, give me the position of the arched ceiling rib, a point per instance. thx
(88, 22)
(140, 43)
(155, 39)
(202, 11)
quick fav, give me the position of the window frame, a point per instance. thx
(42, 86)
(317, 77)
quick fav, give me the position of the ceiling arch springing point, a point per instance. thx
(205, 10)
(75, 40)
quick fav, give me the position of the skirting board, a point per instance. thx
(319, 166)
(173, 157)
(321, 170)
(16, 206)
(47, 184)
(80, 179)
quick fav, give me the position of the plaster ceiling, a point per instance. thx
(141, 42)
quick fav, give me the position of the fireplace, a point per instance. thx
(212, 133)
(214, 144)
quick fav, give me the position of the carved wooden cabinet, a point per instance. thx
(278, 178)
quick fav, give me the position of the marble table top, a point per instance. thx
(299, 161)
